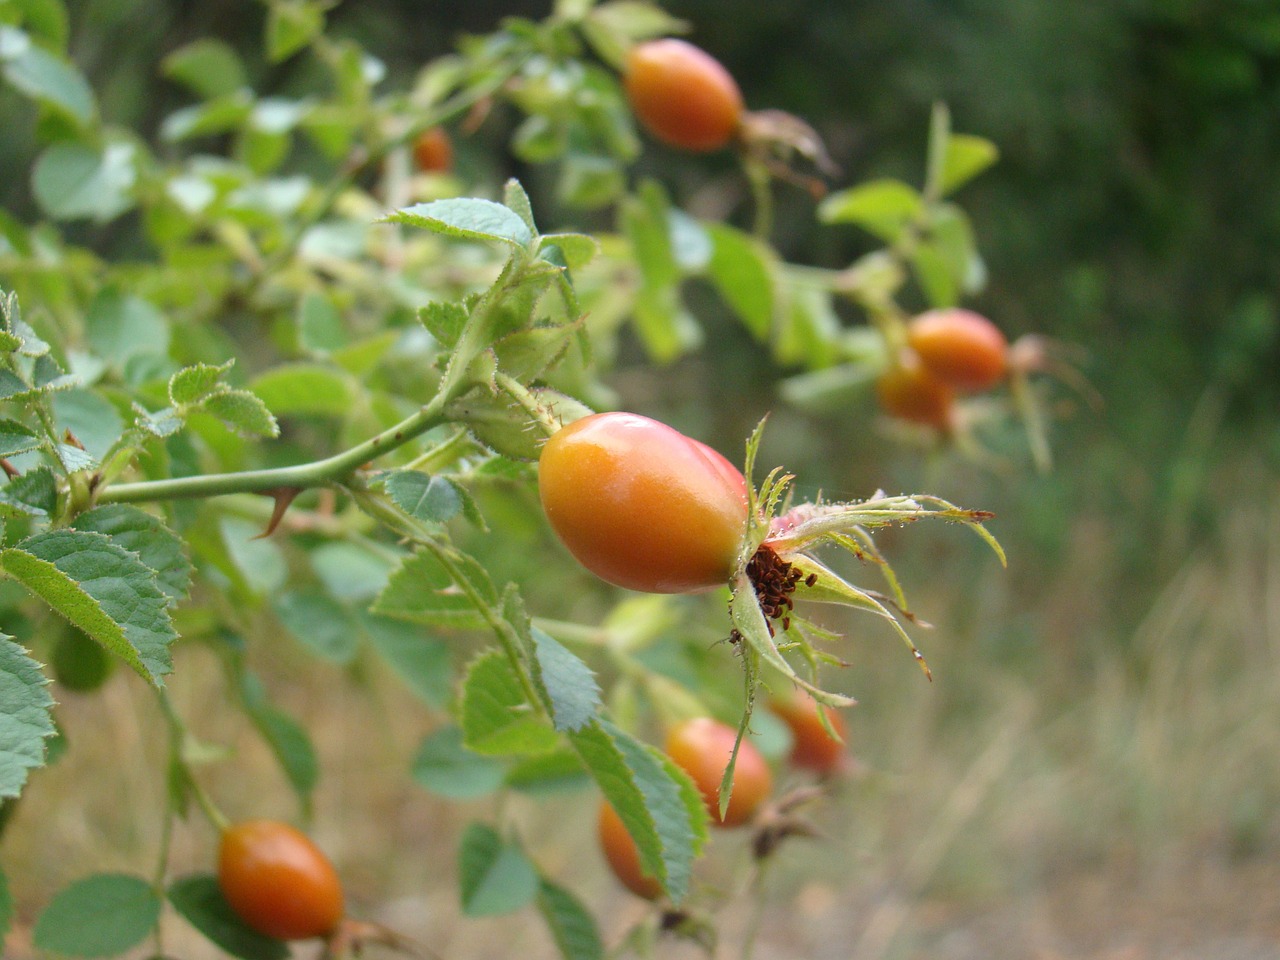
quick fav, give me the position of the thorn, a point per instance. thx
(283, 497)
(10, 470)
(71, 439)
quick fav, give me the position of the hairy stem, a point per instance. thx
(305, 475)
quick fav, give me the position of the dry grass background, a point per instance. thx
(1119, 804)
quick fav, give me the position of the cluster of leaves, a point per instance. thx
(439, 344)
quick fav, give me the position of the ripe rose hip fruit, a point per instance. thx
(812, 747)
(623, 857)
(682, 94)
(909, 391)
(702, 747)
(641, 505)
(961, 348)
(278, 882)
(433, 151)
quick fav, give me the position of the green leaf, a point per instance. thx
(244, 413)
(45, 77)
(433, 499)
(467, 219)
(320, 327)
(528, 354)
(494, 877)
(424, 663)
(258, 561)
(17, 438)
(199, 899)
(193, 384)
(576, 249)
(26, 719)
(288, 739)
(46, 19)
(690, 242)
(304, 389)
(101, 588)
(966, 157)
(496, 717)
(74, 182)
(935, 274)
(646, 224)
(882, 207)
(92, 419)
(613, 28)
(810, 331)
(292, 25)
(444, 321)
(121, 326)
(661, 808)
(516, 200)
(99, 916)
(219, 115)
(445, 767)
(830, 390)
(422, 591)
(320, 623)
(546, 773)
(139, 532)
(34, 494)
(207, 67)
(742, 269)
(572, 926)
(351, 571)
(664, 325)
(569, 683)
(13, 387)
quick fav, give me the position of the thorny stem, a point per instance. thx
(378, 508)
(305, 475)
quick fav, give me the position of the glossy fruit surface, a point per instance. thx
(622, 855)
(641, 505)
(909, 391)
(963, 349)
(682, 94)
(812, 747)
(277, 880)
(702, 747)
(433, 151)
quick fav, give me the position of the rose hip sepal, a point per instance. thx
(777, 566)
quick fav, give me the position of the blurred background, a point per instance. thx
(1095, 771)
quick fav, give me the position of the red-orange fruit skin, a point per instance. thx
(702, 747)
(812, 748)
(909, 391)
(433, 151)
(682, 95)
(963, 349)
(279, 882)
(623, 857)
(641, 505)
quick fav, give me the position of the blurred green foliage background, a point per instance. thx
(1135, 211)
